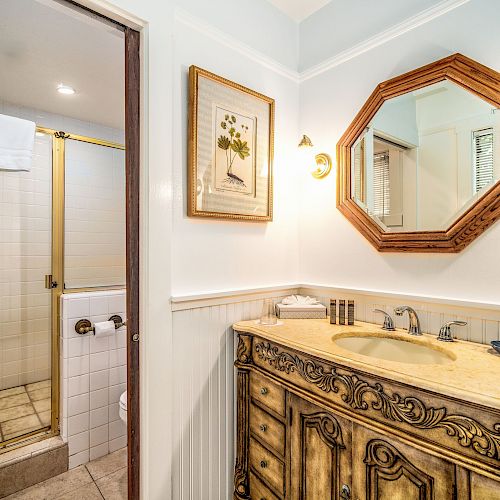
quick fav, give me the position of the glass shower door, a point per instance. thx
(94, 214)
(26, 305)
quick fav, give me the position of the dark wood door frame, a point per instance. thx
(132, 175)
(132, 169)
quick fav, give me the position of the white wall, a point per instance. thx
(331, 249)
(397, 120)
(340, 25)
(214, 255)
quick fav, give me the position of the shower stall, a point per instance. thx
(62, 230)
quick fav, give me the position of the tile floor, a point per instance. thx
(104, 478)
(24, 409)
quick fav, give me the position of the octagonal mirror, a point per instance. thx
(420, 165)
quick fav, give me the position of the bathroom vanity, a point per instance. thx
(355, 412)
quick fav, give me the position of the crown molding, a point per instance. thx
(232, 43)
(399, 29)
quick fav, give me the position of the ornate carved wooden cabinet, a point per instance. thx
(310, 429)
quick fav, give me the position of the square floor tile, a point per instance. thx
(42, 405)
(39, 394)
(10, 401)
(12, 391)
(38, 385)
(108, 464)
(45, 417)
(57, 485)
(20, 426)
(114, 486)
(16, 412)
(88, 492)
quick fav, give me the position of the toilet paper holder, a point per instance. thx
(84, 326)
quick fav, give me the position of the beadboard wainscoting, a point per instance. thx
(203, 390)
(93, 376)
(204, 352)
(483, 320)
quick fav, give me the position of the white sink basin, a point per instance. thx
(394, 349)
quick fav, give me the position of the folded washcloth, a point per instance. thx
(17, 138)
(299, 300)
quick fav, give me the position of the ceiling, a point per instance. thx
(43, 43)
(298, 10)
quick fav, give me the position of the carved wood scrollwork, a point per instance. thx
(244, 350)
(385, 463)
(241, 480)
(330, 432)
(410, 410)
(327, 427)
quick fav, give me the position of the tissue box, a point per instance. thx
(294, 311)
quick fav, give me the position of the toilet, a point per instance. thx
(123, 407)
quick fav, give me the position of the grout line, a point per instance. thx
(34, 409)
(98, 489)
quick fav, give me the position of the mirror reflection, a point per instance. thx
(425, 157)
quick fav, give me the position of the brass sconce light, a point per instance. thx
(323, 160)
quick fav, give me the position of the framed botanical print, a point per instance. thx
(231, 134)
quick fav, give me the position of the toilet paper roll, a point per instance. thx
(104, 328)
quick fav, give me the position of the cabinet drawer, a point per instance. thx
(267, 392)
(265, 464)
(258, 491)
(267, 428)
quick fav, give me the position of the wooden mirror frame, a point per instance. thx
(468, 74)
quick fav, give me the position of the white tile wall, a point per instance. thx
(95, 215)
(25, 248)
(93, 376)
(25, 259)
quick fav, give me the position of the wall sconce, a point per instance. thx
(323, 160)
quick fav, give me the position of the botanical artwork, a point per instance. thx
(234, 152)
(230, 150)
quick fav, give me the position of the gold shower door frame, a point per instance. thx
(58, 203)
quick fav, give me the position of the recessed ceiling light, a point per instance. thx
(65, 89)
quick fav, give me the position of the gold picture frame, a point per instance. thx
(230, 150)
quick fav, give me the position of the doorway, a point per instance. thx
(43, 391)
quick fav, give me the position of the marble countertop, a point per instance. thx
(471, 374)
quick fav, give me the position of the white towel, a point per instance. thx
(17, 138)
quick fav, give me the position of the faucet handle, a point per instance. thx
(445, 330)
(388, 322)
